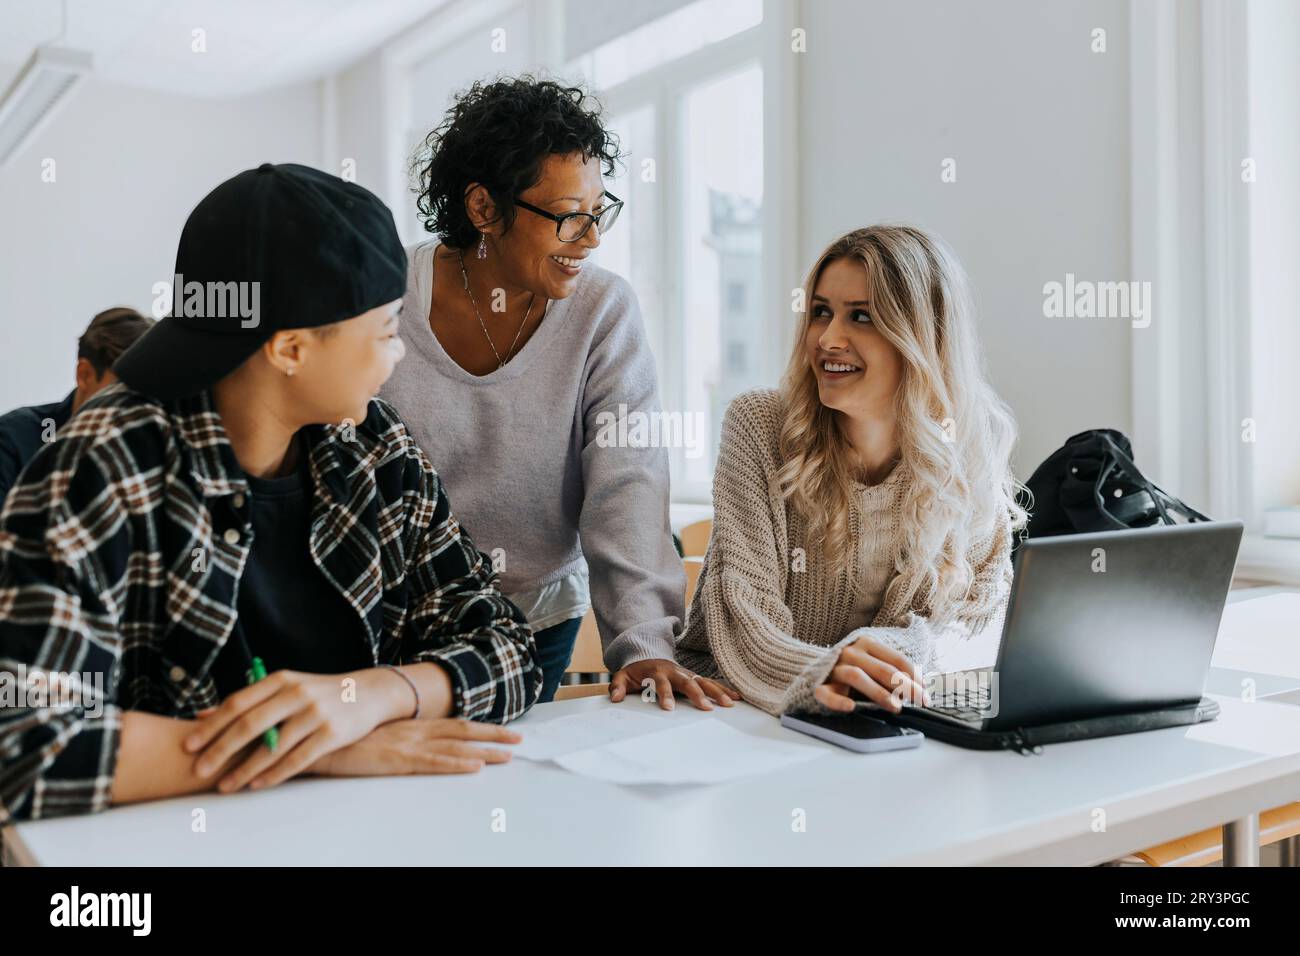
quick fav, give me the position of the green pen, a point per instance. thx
(256, 673)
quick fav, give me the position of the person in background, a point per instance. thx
(24, 430)
(866, 509)
(238, 538)
(517, 344)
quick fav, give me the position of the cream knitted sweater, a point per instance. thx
(769, 617)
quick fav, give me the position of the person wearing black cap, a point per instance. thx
(242, 498)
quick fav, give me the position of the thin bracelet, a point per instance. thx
(411, 684)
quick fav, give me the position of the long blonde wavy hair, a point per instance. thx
(954, 432)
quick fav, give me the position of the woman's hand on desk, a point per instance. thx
(312, 713)
(879, 673)
(445, 745)
(666, 677)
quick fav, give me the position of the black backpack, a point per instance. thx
(1091, 484)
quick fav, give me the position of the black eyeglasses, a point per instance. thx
(572, 226)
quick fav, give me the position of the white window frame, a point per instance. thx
(1190, 232)
(766, 45)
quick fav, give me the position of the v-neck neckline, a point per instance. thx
(538, 342)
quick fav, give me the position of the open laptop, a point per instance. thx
(1111, 623)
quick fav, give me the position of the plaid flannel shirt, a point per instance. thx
(121, 549)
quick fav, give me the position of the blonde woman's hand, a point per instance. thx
(879, 673)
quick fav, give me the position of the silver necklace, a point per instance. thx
(482, 325)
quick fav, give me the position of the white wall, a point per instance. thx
(130, 165)
(1274, 78)
(459, 51)
(360, 123)
(1038, 126)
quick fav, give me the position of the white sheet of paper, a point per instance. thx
(1261, 635)
(565, 735)
(706, 751)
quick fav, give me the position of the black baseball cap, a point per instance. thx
(282, 246)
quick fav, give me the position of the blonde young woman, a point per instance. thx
(865, 510)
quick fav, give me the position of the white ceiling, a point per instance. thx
(251, 44)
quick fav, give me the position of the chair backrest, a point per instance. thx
(571, 691)
(695, 538)
(588, 656)
(692, 567)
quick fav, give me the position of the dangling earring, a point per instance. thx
(482, 246)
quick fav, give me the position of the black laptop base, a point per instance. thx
(1029, 740)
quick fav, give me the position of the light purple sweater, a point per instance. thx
(517, 451)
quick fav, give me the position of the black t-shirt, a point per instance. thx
(289, 614)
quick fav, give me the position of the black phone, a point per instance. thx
(856, 731)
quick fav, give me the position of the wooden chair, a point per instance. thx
(692, 567)
(1206, 847)
(588, 656)
(695, 538)
(570, 691)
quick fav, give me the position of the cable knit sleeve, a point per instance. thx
(739, 602)
(918, 636)
(745, 623)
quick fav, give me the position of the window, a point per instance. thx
(719, 248)
(684, 94)
(692, 27)
(631, 248)
(736, 296)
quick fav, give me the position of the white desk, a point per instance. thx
(936, 804)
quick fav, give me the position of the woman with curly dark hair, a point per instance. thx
(516, 344)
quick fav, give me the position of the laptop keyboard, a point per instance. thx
(963, 700)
